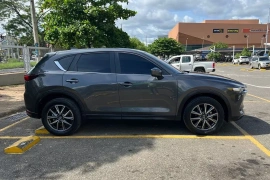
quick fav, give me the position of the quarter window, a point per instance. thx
(66, 61)
(133, 64)
(94, 62)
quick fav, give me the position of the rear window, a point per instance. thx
(244, 57)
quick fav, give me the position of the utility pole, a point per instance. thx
(34, 25)
(267, 30)
(186, 44)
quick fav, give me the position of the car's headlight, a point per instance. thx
(239, 89)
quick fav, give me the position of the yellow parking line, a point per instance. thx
(259, 98)
(7, 127)
(146, 136)
(252, 139)
(11, 137)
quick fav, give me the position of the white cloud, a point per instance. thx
(158, 17)
(188, 19)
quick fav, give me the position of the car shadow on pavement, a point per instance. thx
(67, 158)
(144, 127)
(254, 125)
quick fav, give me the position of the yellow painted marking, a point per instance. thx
(19, 147)
(252, 139)
(11, 137)
(259, 98)
(41, 131)
(7, 127)
(146, 136)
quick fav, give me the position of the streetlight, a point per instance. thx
(186, 44)
(202, 42)
(246, 36)
(267, 30)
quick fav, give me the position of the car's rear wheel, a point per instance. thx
(200, 70)
(61, 116)
(203, 116)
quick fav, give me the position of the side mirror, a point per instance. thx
(156, 72)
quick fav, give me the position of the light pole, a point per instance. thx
(247, 41)
(202, 42)
(262, 42)
(267, 30)
(186, 44)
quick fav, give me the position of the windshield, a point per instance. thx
(264, 59)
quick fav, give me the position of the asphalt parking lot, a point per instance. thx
(152, 149)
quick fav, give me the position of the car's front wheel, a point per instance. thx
(61, 116)
(203, 116)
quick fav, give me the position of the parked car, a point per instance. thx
(241, 60)
(188, 63)
(67, 87)
(260, 62)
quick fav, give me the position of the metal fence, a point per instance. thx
(23, 53)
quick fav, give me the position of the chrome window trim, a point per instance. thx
(59, 66)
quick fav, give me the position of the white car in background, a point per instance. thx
(241, 60)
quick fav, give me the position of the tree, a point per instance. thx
(237, 55)
(219, 45)
(85, 23)
(245, 52)
(165, 47)
(137, 44)
(19, 24)
(214, 55)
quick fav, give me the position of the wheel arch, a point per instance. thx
(58, 94)
(208, 93)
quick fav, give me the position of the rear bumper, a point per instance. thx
(32, 114)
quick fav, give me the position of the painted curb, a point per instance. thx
(24, 144)
(41, 131)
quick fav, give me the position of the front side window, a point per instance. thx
(186, 59)
(133, 64)
(94, 62)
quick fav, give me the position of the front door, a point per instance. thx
(93, 79)
(142, 95)
(186, 64)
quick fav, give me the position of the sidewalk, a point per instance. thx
(11, 100)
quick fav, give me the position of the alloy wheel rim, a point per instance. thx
(204, 116)
(60, 118)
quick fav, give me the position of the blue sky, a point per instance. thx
(158, 17)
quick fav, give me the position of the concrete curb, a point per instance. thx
(13, 111)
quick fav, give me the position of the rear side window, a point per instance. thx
(66, 61)
(94, 62)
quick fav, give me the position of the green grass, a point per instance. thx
(14, 63)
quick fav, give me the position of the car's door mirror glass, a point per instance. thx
(156, 72)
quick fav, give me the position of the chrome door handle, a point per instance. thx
(72, 81)
(126, 84)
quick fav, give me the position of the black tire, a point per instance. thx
(200, 70)
(69, 105)
(199, 101)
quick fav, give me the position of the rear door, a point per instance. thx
(92, 77)
(186, 64)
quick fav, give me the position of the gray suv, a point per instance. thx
(67, 87)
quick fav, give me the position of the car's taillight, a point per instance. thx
(29, 77)
(214, 64)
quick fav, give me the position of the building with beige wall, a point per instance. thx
(238, 33)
